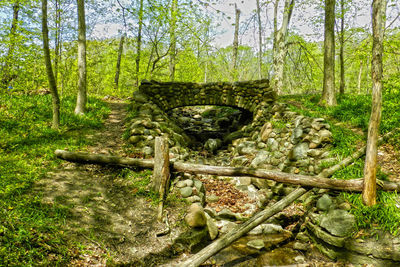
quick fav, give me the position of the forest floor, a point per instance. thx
(109, 222)
(108, 219)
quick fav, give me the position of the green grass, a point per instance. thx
(355, 111)
(30, 230)
(139, 183)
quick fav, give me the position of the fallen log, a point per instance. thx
(103, 159)
(241, 230)
(354, 185)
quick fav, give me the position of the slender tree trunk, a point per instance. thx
(280, 49)
(118, 67)
(328, 95)
(341, 51)
(359, 78)
(57, 40)
(259, 40)
(82, 86)
(235, 43)
(172, 55)
(378, 25)
(139, 42)
(6, 69)
(49, 70)
(274, 48)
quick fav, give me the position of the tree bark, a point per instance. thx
(119, 58)
(57, 40)
(280, 48)
(281, 177)
(161, 172)
(6, 69)
(359, 78)
(378, 25)
(172, 34)
(139, 42)
(328, 95)
(341, 50)
(103, 159)
(243, 229)
(235, 46)
(161, 163)
(259, 40)
(80, 108)
(49, 69)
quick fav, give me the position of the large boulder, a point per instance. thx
(196, 216)
(338, 222)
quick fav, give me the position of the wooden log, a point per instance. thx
(241, 230)
(161, 171)
(103, 159)
(281, 177)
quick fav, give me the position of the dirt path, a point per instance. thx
(107, 218)
(109, 139)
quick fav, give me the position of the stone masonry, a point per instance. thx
(247, 95)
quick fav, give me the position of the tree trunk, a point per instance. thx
(118, 67)
(259, 40)
(359, 78)
(139, 42)
(57, 40)
(49, 70)
(341, 51)
(235, 45)
(6, 69)
(82, 94)
(172, 34)
(274, 48)
(280, 49)
(378, 25)
(328, 95)
(243, 229)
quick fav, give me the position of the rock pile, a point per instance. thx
(276, 139)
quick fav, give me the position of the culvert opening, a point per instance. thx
(206, 123)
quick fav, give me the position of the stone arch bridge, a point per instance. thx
(247, 95)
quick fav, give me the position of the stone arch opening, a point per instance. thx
(246, 95)
(245, 108)
(204, 122)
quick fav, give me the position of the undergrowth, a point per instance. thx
(139, 183)
(354, 110)
(30, 230)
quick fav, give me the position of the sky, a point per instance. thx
(304, 20)
(307, 20)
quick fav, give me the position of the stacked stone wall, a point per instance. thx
(248, 95)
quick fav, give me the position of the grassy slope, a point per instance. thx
(30, 231)
(354, 110)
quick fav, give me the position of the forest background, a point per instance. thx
(145, 51)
